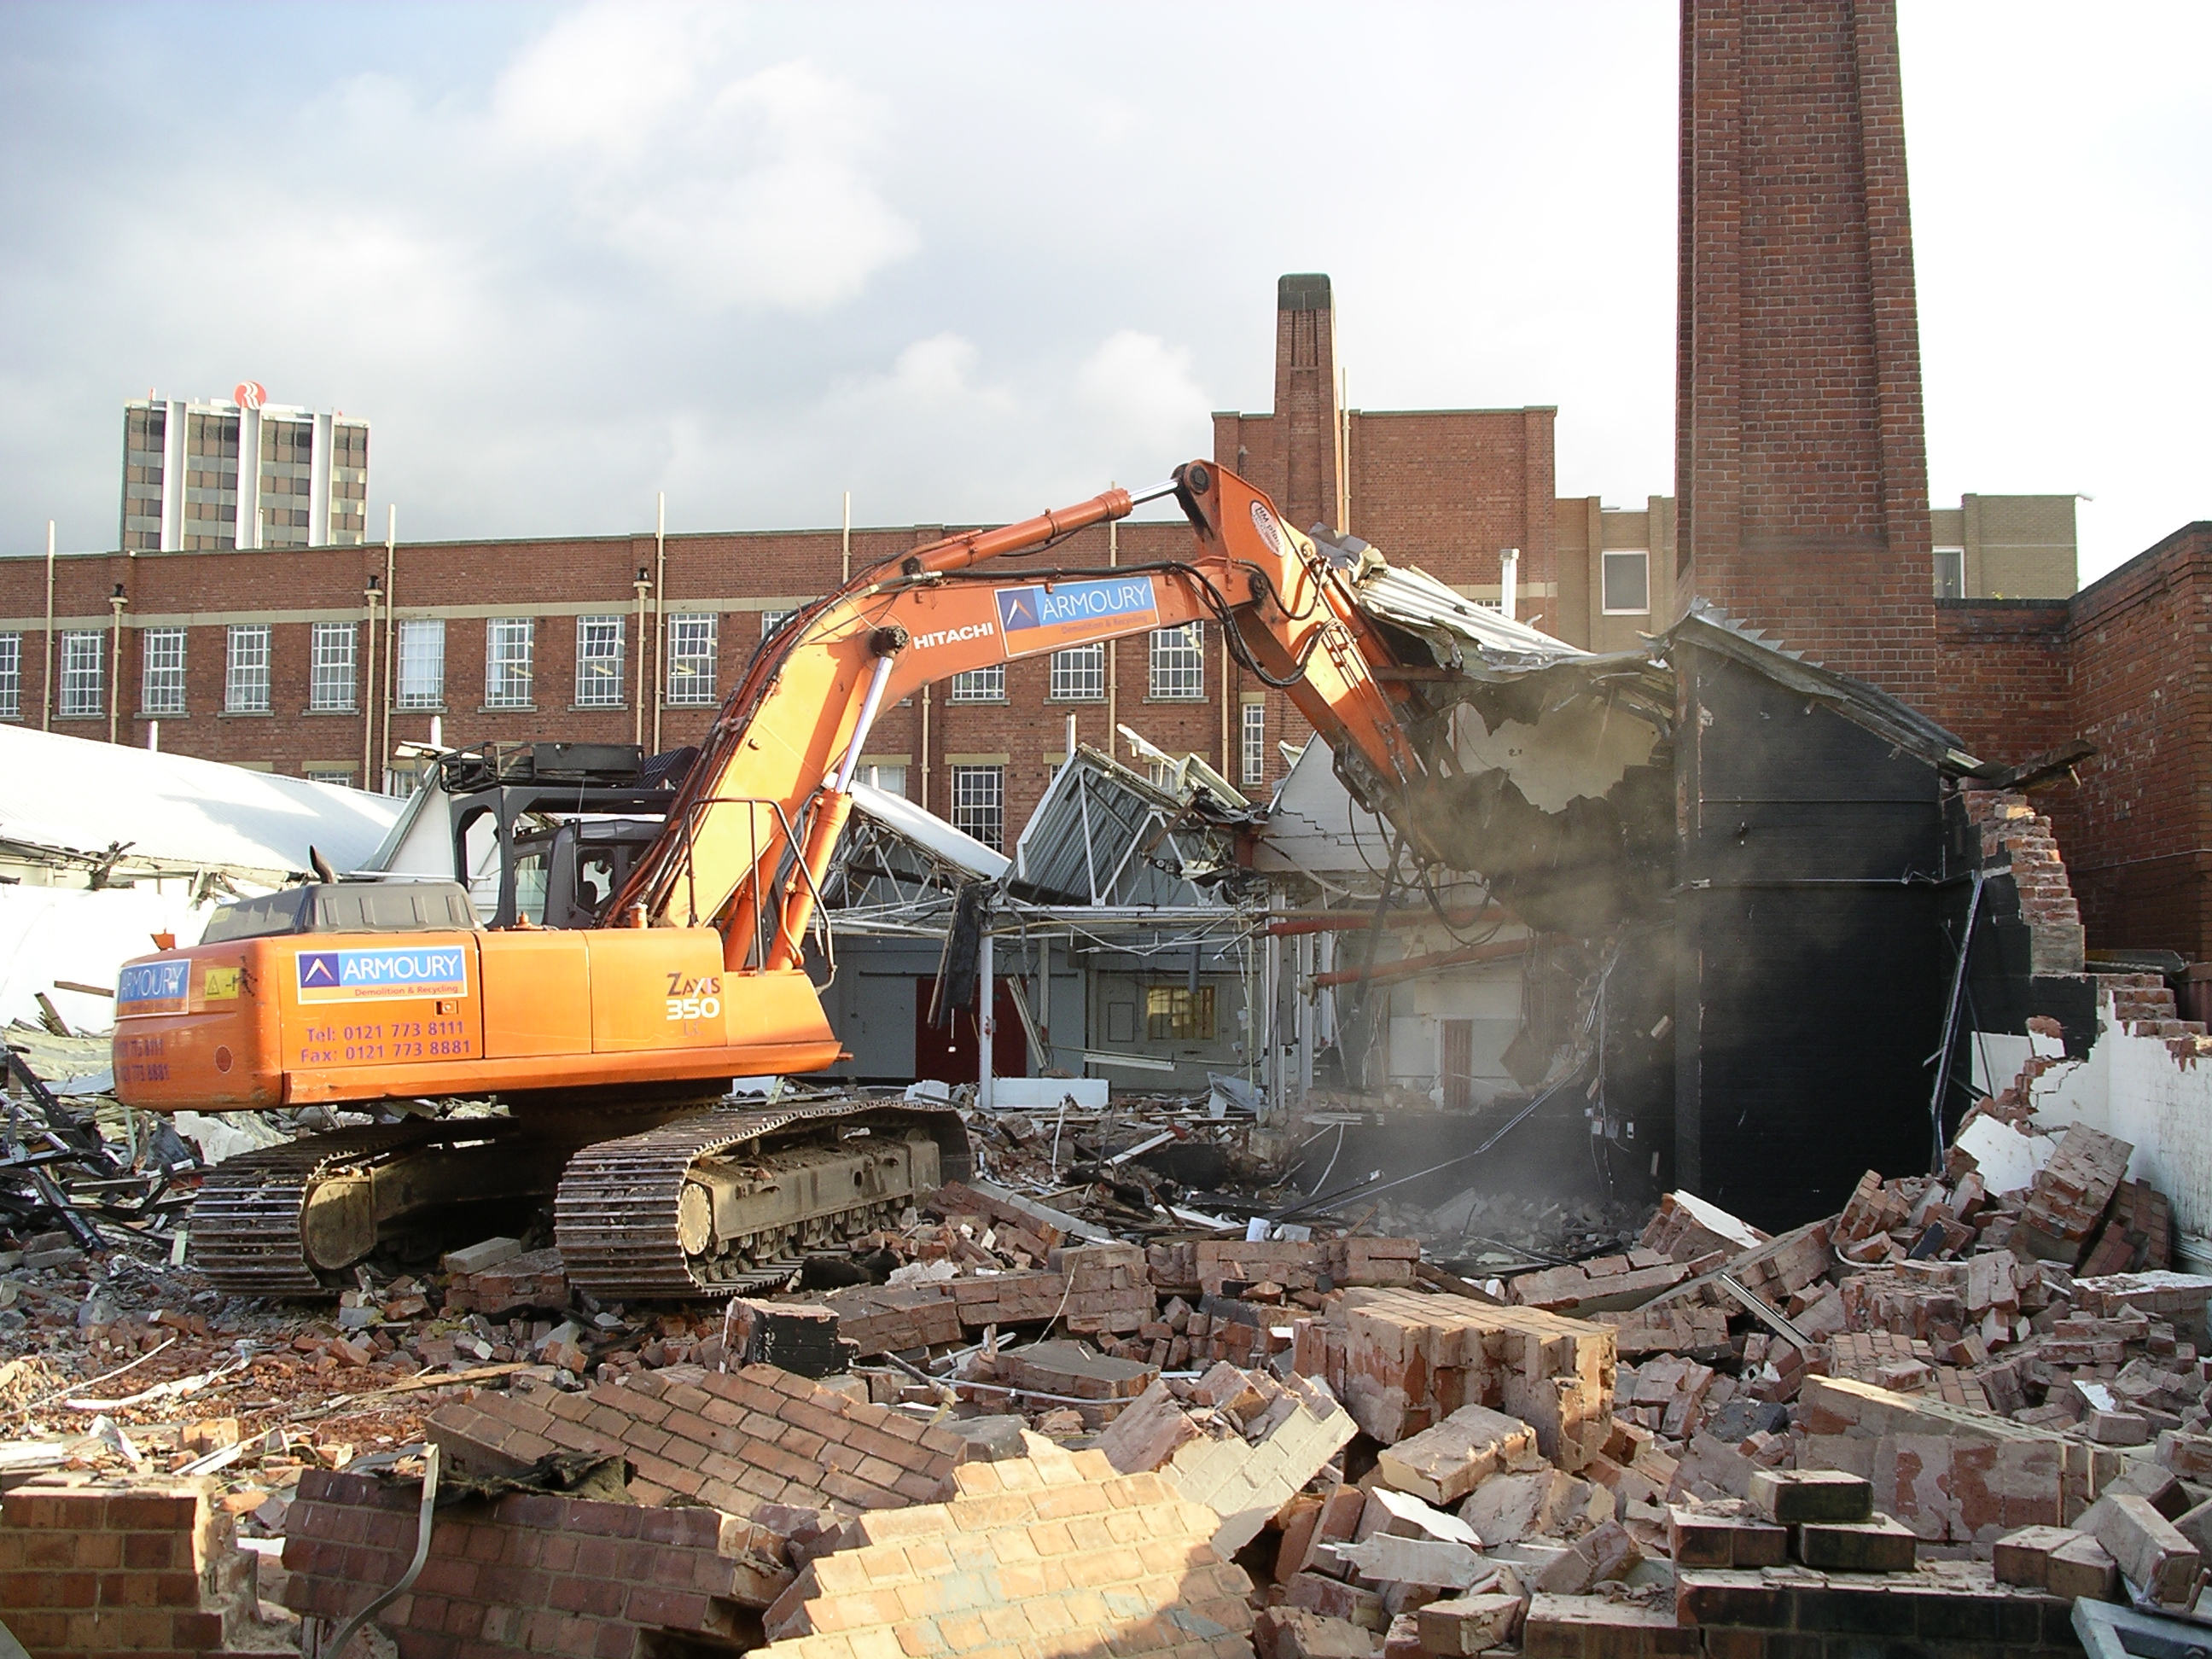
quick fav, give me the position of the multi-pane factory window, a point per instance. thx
(81, 675)
(691, 660)
(1176, 1013)
(330, 668)
(422, 664)
(772, 620)
(210, 482)
(144, 431)
(339, 773)
(246, 670)
(161, 670)
(11, 676)
(348, 482)
(888, 776)
(599, 662)
(1627, 579)
(288, 449)
(979, 804)
(1252, 744)
(1179, 663)
(508, 644)
(1078, 674)
(980, 686)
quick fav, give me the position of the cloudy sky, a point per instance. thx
(967, 261)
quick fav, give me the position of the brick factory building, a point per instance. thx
(1801, 509)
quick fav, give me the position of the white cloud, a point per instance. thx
(1136, 386)
(732, 185)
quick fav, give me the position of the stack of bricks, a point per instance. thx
(1241, 1442)
(535, 1280)
(1903, 1365)
(1951, 1475)
(530, 1572)
(733, 1442)
(98, 1567)
(1051, 1553)
(2138, 1234)
(2179, 1299)
(1695, 1333)
(1225, 1266)
(1402, 1362)
(1221, 1327)
(1109, 1288)
(895, 1318)
(1601, 1284)
(1065, 1371)
(1686, 1229)
(1090, 1288)
(2070, 1193)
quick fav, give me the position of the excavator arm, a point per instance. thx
(753, 830)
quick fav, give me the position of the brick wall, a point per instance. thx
(109, 1567)
(1800, 468)
(2135, 833)
(530, 1573)
(2000, 671)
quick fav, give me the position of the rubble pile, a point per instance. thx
(1030, 1422)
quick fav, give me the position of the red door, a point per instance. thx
(949, 1056)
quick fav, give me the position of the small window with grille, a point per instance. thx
(1078, 674)
(980, 686)
(599, 662)
(979, 804)
(80, 674)
(246, 670)
(691, 660)
(330, 668)
(161, 670)
(509, 642)
(1179, 663)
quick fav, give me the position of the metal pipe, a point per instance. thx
(869, 705)
(1496, 951)
(391, 627)
(368, 695)
(115, 603)
(846, 537)
(1352, 921)
(986, 1026)
(644, 586)
(46, 677)
(659, 610)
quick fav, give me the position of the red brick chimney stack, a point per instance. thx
(1800, 457)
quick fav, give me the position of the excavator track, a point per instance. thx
(620, 1217)
(246, 1228)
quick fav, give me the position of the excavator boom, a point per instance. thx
(608, 1044)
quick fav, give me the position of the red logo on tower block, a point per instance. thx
(249, 394)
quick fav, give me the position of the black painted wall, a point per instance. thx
(1812, 963)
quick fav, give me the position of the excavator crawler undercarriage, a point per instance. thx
(712, 1204)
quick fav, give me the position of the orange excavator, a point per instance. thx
(608, 1049)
